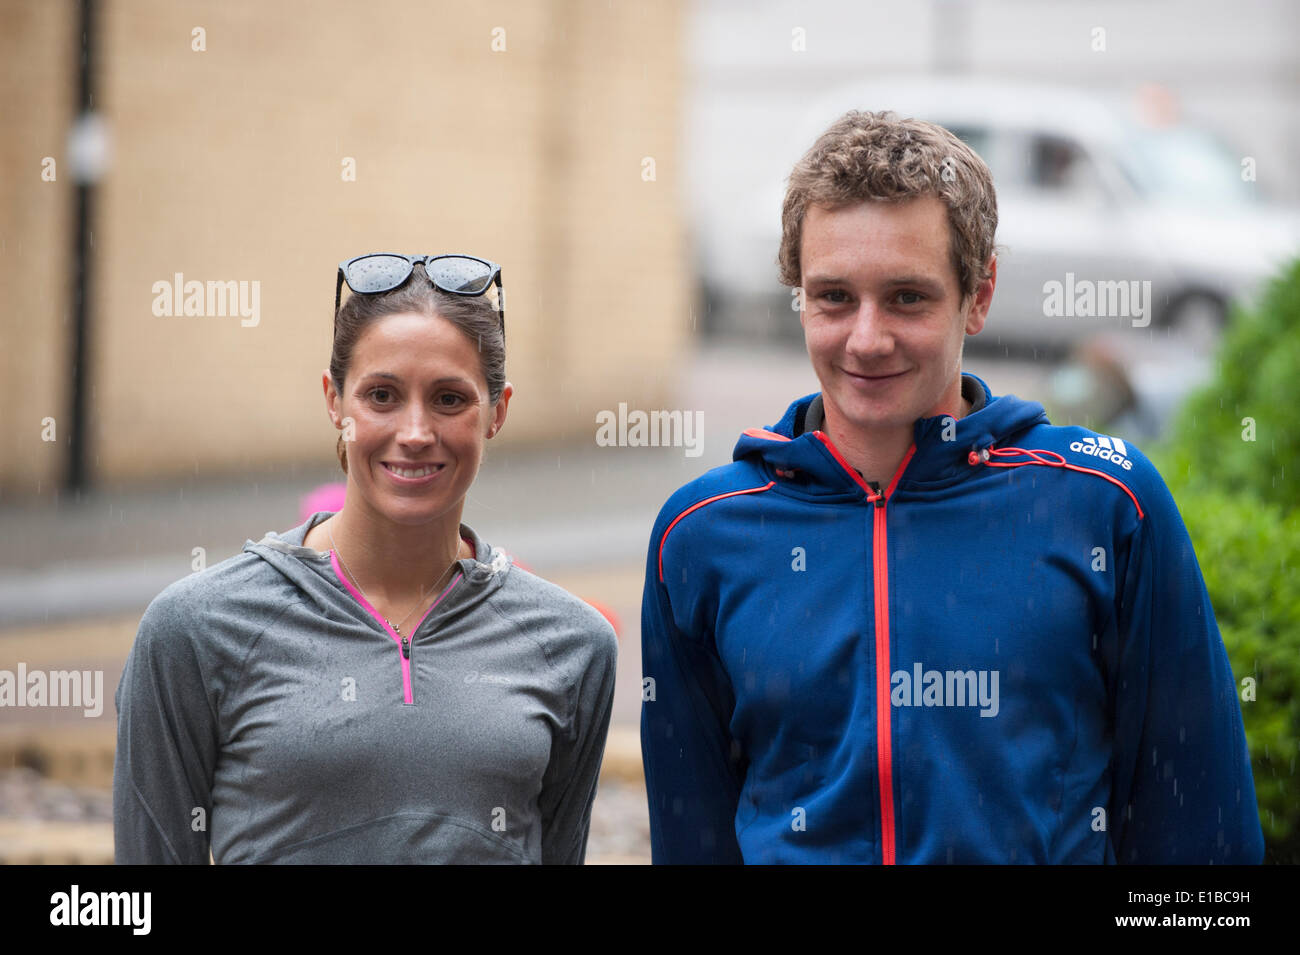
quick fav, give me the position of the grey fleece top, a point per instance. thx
(265, 708)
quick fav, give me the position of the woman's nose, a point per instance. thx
(418, 427)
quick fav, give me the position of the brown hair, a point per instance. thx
(879, 156)
(475, 316)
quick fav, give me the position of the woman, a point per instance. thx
(377, 684)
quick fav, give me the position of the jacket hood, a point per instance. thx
(312, 571)
(935, 462)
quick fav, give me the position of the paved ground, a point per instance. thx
(75, 575)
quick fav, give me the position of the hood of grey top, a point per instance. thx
(312, 572)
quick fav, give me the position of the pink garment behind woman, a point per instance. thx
(327, 497)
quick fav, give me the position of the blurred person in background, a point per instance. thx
(378, 684)
(914, 622)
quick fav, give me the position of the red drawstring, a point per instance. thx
(1011, 452)
(982, 457)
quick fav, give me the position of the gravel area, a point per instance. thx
(620, 826)
(25, 794)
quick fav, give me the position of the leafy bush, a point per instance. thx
(1257, 381)
(1249, 552)
(1241, 503)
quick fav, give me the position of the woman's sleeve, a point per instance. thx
(167, 742)
(569, 788)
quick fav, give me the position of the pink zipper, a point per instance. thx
(403, 643)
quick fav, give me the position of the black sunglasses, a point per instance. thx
(456, 274)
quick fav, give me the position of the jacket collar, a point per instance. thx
(794, 448)
(488, 561)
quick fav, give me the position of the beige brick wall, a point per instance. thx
(227, 166)
(36, 226)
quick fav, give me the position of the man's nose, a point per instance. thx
(870, 334)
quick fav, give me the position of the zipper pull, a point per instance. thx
(880, 497)
(406, 647)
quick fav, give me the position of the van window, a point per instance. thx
(1058, 165)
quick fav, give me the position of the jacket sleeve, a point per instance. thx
(167, 742)
(693, 767)
(569, 786)
(1182, 786)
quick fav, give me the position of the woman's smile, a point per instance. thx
(413, 475)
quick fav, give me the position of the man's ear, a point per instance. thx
(983, 300)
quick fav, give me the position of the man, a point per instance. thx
(914, 622)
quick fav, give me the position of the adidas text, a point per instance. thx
(1108, 449)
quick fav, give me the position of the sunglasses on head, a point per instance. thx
(457, 274)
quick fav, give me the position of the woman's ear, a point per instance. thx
(499, 410)
(331, 399)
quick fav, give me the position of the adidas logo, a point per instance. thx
(1108, 449)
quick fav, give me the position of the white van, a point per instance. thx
(1093, 203)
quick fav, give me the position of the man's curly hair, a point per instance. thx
(879, 156)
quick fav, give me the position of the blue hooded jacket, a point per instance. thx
(1006, 655)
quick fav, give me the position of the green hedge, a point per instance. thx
(1249, 552)
(1239, 499)
(1258, 378)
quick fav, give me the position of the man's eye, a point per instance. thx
(835, 296)
(916, 297)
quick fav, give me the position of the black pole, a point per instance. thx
(76, 426)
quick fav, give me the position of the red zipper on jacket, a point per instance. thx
(880, 568)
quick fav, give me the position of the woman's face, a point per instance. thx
(419, 410)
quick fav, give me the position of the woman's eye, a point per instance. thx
(450, 400)
(380, 391)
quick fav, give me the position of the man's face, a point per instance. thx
(883, 317)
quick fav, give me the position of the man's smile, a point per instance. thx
(872, 378)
